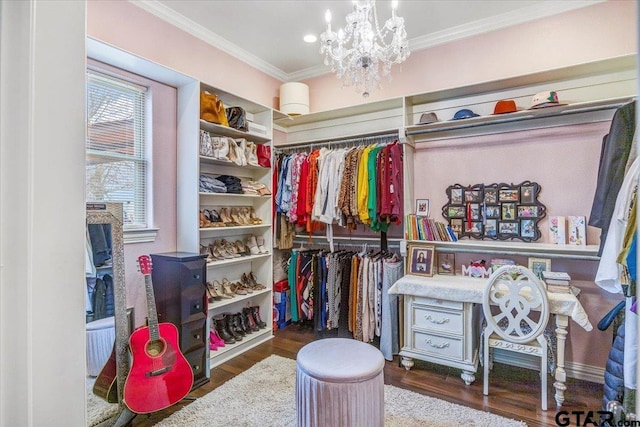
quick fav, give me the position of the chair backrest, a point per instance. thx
(522, 305)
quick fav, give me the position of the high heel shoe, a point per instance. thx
(226, 286)
(204, 221)
(260, 243)
(254, 281)
(214, 336)
(204, 250)
(214, 217)
(252, 245)
(220, 291)
(230, 248)
(241, 248)
(253, 218)
(226, 219)
(213, 295)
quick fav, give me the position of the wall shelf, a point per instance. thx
(233, 133)
(547, 250)
(237, 260)
(521, 120)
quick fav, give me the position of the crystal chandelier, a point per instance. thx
(358, 52)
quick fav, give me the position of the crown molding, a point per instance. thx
(504, 20)
(169, 15)
(494, 23)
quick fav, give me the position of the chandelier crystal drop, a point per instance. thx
(361, 51)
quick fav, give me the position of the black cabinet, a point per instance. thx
(179, 285)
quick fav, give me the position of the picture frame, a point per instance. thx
(491, 228)
(509, 194)
(527, 211)
(490, 196)
(509, 228)
(456, 225)
(472, 196)
(508, 211)
(527, 194)
(492, 211)
(421, 260)
(455, 195)
(498, 211)
(447, 263)
(538, 265)
(422, 207)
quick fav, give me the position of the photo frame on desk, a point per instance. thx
(447, 263)
(538, 265)
(421, 260)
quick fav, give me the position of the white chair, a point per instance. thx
(516, 310)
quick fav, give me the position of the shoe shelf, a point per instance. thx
(219, 162)
(234, 195)
(234, 229)
(217, 305)
(233, 133)
(239, 260)
(229, 351)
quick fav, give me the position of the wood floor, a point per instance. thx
(513, 392)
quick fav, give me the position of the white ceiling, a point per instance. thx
(267, 34)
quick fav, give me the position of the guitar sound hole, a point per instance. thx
(154, 348)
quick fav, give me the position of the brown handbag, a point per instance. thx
(212, 109)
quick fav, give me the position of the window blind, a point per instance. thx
(116, 146)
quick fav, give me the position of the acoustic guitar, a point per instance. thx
(106, 386)
(160, 375)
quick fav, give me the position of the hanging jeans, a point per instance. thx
(389, 342)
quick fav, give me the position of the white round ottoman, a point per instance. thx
(101, 334)
(339, 382)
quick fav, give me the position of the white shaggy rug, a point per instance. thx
(98, 410)
(264, 395)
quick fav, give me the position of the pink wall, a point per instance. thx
(604, 30)
(564, 161)
(134, 30)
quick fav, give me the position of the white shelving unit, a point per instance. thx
(191, 201)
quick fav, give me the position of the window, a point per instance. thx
(117, 146)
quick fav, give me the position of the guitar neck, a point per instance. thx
(154, 335)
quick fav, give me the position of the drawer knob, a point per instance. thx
(196, 276)
(197, 306)
(437, 321)
(434, 345)
(197, 336)
(196, 367)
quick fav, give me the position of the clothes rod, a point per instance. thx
(336, 142)
(341, 244)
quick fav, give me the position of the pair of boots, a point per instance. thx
(232, 327)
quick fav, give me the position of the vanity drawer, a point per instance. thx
(445, 347)
(447, 321)
(435, 302)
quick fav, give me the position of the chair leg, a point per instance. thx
(543, 376)
(485, 377)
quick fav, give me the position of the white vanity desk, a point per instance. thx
(441, 323)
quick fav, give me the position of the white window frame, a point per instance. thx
(143, 232)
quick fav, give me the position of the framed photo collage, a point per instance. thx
(495, 211)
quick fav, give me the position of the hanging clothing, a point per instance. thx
(609, 273)
(393, 270)
(616, 147)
